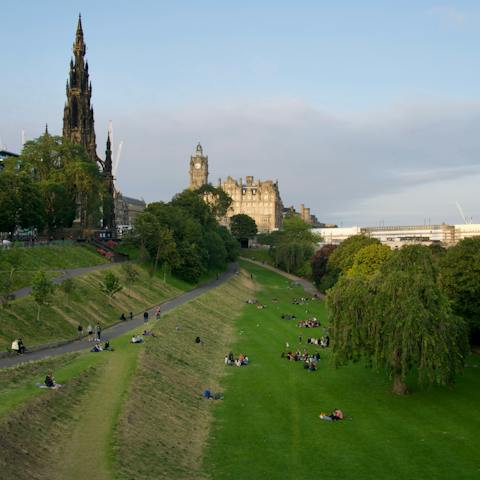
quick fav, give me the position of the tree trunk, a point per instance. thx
(399, 386)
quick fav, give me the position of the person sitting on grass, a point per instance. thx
(97, 348)
(50, 382)
(108, 347)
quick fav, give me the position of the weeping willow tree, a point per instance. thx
(398, 320)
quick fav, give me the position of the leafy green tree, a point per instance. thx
(65, 176)
(10, 261)
(460, 280)
(111, 285)
(21, 203)
(42, 290)
(243, 227)
(368, 260)
(294, 246)
(231, 245)
(398, 320)
(216, 198)
(343, 257)
(319, 263)
(130, 273)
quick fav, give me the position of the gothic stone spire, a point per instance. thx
(78, 123)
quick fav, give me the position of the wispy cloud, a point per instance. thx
(449, 15)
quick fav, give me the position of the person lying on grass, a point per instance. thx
(212, 396)
(310, 323)
(337, 414)
(251, 301)
(137, 339)
(286, 316)
(148, 333)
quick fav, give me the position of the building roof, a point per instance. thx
(5, 153)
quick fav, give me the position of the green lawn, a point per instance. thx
(55, 257)
(257, 254)
(268, 427)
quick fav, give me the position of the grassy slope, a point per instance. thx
(86, 437)
(48, 258)
(88, 304)
(164, 424)
(270, 414)
(258, 254)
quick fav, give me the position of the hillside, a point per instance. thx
(28, 261)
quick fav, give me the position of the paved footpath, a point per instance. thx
(119, 328)
(308, 286)
(65, 274)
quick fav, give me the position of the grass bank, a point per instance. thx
(86, 304)
(164, 424)
(55, 257)
(270, 412)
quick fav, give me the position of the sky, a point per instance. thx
(366, 111)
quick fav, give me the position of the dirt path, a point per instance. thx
(86, 453)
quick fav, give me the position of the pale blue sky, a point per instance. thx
(272, 88)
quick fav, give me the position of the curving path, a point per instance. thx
(65, 274)
(119, 328)
(308, 286)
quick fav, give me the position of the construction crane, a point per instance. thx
(464, 218)
(117, 158)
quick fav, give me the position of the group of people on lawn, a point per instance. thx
(241, 361)
(309, 323)
(324, 342)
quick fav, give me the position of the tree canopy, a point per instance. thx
(184, 236)
(399, 320)
(460, 280)
(56, 175)
(243, 227)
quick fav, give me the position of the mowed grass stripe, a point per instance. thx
(268, 425)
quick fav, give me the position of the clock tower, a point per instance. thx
(198, 168)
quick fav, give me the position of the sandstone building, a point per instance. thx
(255, 198)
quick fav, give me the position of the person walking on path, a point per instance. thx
(90, 333)
(158, 313)
(145, 316)
(80, 330)
(98, 331)
(130, 315)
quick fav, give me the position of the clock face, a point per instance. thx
(197, 166)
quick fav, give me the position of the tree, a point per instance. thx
(343, 257)
(341, 260)
(216, 198)
(21, 203)
(111, 285)
(10, 262)
(42, 290)
(319, 262)
(243, 227)
(65, 176)
(368, 260)
(131, 273)
(294, 246)
(398, 320)
(460, 280)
